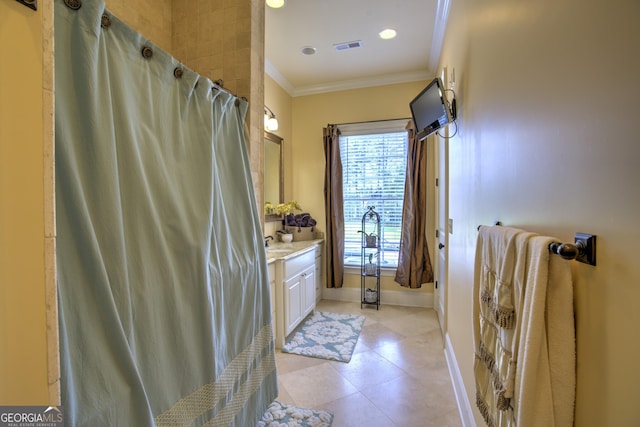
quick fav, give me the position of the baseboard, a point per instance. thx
(406, 298)
(466, 414)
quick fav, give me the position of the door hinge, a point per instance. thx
(437, 233)
(437, 182)
(436, 284)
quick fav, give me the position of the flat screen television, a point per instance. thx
(430, 109)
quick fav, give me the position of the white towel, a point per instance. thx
(545, 373)
(498, 295)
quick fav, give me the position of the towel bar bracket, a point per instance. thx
(587, 245)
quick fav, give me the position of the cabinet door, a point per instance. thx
(309, 300)
(319, 274)
(293, 289)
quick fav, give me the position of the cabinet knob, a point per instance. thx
(440, 245)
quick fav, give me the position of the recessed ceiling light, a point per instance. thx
(308, 50)
(387, 34)
(275, 3)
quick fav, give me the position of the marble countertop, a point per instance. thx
(282, 251)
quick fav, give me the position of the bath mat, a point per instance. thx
(281, 414)
(325, 335)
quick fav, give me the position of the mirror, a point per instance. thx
(273, 173)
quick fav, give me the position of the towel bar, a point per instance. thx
(584, 249)
(566, 250)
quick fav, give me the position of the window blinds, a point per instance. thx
(374, 170)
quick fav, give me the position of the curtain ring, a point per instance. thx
(177, 73)
(105, 21)
(73, 4)
(147, 52)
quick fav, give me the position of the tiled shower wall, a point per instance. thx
(151, 18)
(219, 39)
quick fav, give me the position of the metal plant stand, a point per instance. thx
(370, 259)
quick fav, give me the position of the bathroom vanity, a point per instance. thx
(295, 275)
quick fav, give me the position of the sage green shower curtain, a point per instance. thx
(164, 309)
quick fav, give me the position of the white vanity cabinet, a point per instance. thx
(294, 275)
(299, 286)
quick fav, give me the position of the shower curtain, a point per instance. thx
(164, 308)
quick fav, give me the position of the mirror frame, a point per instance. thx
(271, 137)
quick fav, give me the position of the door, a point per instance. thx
(441, 148)
(441, 240)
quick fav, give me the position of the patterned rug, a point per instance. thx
(280, 414)
(326, 336)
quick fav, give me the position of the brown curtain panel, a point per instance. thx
(414, 264)
(334, 212)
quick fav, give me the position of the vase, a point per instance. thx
(370, 269)
(371, 295)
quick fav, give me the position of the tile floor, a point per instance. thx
(397, 375)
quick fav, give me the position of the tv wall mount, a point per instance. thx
(31, 4)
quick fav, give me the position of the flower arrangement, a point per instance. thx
(269, 209)
(287, 208)
(281, 208)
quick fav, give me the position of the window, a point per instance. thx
(374, 161)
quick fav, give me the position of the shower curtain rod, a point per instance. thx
(219, 85)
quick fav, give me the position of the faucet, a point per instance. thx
(266, 241)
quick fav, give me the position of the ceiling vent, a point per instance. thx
(348, 45)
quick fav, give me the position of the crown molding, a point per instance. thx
(276, 75)
(360, 83)
(364, 82)
(439, 27)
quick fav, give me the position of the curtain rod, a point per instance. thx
(219, 85)
(368, 121)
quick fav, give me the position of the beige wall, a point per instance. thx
(548, 97)
(313, 112)
(28, 320)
